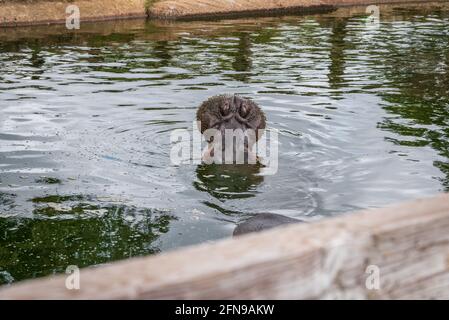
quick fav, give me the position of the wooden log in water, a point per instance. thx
(406, 246)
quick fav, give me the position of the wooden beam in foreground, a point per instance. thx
(407, 244)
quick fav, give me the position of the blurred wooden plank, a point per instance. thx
(327, 259)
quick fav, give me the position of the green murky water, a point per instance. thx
(85, 122)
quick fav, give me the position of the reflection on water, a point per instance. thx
(419, 110)
(80, 234)
(85, 122)
(337, 52)
(228, 181)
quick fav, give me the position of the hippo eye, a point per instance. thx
(244, 110)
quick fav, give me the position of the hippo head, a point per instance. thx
(231, 125)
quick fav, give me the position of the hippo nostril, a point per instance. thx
(244, 110)
(225, 108)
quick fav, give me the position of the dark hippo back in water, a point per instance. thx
(263, 221)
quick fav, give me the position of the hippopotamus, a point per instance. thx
(232, 112)
(224, 114)
(263, 221)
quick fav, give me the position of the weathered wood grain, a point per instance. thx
(323, 260)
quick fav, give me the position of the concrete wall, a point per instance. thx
(14, 12)
(23, 12)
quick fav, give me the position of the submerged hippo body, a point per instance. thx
(263, 221)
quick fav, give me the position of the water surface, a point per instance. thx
(85, 122)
